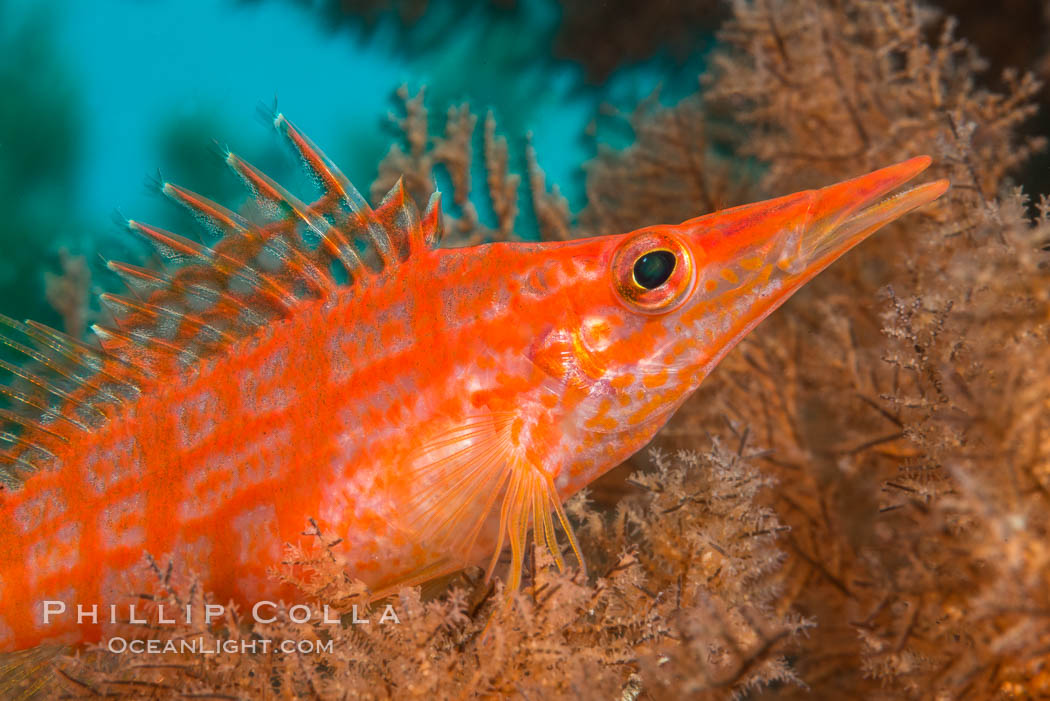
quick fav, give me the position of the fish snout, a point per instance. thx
(751, 259)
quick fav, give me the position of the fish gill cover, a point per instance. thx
(853, 505)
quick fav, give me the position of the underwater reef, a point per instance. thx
(855, 504)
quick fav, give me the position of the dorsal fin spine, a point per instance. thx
(333, 180)
(129, 272)
(145, 341)
(431, 224)
(74, 350)
(267, 189)
(227, 222)
(396, 213)
(43, 409)
(212, 215)
(138, 280)
(18, 461)
(72, 387)
(119, 303)
(48, 387)
(24, 444)
(223, 263)
(27, 423)
(55, 367)
(322, 167)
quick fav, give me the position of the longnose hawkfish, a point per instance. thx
(427, 406)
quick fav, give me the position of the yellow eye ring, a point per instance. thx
(653, 272)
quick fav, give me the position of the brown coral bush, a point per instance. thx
(682, 599)
(890, 540)
(421, 155)
(903, 395)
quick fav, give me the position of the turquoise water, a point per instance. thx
(102, 93)
(145, 63)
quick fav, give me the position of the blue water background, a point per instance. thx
(138, 69)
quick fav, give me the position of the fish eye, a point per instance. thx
(653, 271)
(654, 268)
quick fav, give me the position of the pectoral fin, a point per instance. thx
(459, 479)
(29, 674)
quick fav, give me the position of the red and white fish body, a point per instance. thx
(431, 410)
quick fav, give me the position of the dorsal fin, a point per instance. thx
(60, 389)
(349, 211)
(258, 272)
(431, 226)
(205, 298)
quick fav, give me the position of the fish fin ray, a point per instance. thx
(432, 223)
(28, 675)
(391, 230)
(203, 298)
(54, 389)
(461, 479)
(207, 297)
(400, 218)
(441, 566)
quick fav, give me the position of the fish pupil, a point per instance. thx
(653, 269)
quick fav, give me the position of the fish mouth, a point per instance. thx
(768, 250)
(843, 215)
